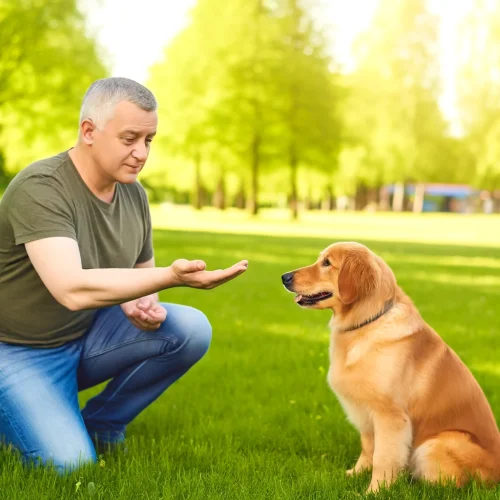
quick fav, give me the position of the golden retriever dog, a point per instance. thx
(414, 402)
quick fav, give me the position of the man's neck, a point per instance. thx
(103, 188)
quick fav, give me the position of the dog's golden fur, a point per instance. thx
(414, 402)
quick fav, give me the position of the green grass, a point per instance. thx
(255, 418)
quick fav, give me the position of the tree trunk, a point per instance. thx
(383, 199)
(372, 199)
(418, 201)
(198, 186)
(328, 202)
(399, 197)
(240, 198)
(308, 201)
(253, 204)
(361, 197)
(219, 199)
(293, 184)
(496, 202)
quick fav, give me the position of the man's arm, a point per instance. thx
(148, 265)
(58, 263)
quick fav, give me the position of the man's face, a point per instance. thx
(121, 148)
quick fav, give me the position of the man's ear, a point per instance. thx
(358, 277)
(87, 128)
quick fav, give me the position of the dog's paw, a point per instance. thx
(377, 484)
(358, 469)
(373, 488)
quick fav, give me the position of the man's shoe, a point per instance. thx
(103, 447)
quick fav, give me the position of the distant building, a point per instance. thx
(458, 198)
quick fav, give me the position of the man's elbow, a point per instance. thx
(70, 295)
(71, 299)
(71, 302)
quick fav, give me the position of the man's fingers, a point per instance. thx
(135, 313)
(223, 276)
(193, 273)
(190, 266)
(158, 312)
(144, 305)
(187, 266)
(230, 271)
(238, 267)
(148, 318)
(146, 325)
(235, 270)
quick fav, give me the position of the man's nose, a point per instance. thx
(287, 278)
(140, 153)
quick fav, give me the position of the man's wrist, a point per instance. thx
(171, 278)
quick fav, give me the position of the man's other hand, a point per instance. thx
(145, 313)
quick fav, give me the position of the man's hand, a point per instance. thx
(145, 313)
(192, 273)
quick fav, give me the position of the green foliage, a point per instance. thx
(395, 128)
(478, 87)
(309, 125)
(253, 109)
(246, 89)
(47, 62)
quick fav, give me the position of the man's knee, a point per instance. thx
(195, 332)
(200, 337)
(64, 457)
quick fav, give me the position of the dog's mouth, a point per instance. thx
(310, 300)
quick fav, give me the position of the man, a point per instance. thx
(78, 288)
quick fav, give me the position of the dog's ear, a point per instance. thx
(358, 277)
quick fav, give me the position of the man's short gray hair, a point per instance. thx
(103, 95)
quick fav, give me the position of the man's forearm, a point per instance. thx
(58, 262)
(149, 264)
(96, 288)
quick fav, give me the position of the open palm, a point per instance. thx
(194, 274)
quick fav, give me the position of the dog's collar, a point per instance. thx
(387, 307)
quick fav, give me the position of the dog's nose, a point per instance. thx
(287, 278)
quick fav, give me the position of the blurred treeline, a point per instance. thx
(255, 110)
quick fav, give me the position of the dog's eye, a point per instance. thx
(326, 263)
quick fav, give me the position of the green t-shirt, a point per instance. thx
(49, 198)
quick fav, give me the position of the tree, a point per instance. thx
(478, 89)
(309, 124)
(396, 116)
(46, 63)
(249, 89)
(182, 84)
(217, 86)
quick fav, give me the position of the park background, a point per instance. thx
(284, 126)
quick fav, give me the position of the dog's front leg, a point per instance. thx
(393, 438)
(365, 460)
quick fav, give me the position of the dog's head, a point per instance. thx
(343, 274)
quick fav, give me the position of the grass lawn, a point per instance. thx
(255, 419)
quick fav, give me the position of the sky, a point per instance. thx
(135, 32)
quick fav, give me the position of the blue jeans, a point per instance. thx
(39, 409)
